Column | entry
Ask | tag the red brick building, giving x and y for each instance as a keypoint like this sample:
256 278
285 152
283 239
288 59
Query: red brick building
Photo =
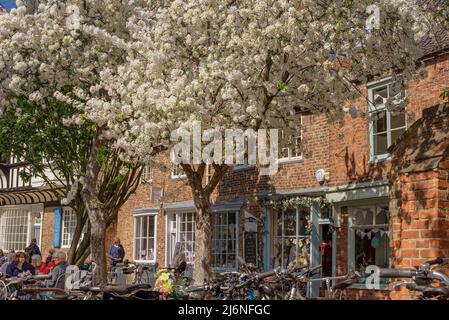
358 227
385 193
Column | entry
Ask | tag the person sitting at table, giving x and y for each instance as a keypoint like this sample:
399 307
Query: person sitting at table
58 273
39 266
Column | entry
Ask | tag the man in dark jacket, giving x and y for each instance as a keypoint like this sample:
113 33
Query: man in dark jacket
32 250
116 254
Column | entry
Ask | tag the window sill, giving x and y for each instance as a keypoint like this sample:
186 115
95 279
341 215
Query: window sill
145 261
177 178
380 158
291 160
359 286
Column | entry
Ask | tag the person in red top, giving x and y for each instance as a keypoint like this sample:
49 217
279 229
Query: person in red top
39 266
50 265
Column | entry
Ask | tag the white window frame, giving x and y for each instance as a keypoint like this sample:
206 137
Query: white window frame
275 236
292 158
139 216
191 219
29 214
176 217
351 234
65 212
372 108
147 174
175 175
236 239
161 194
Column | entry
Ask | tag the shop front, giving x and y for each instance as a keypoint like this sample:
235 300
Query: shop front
299 230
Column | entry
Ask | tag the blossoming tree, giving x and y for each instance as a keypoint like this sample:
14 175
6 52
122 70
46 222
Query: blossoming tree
43 61
142 69
253 64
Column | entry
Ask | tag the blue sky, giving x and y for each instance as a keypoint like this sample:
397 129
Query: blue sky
8 4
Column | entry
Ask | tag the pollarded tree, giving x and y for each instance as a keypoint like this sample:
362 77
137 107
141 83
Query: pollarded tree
250 64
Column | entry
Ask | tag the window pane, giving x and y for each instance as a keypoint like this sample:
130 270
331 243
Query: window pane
150 249
380 95
290 222
370 250
279 223
397 92
395 134
138 227
144 227
302 222
382 215
379 121
380 143
151 226
363 216
13 228
137 246
397 119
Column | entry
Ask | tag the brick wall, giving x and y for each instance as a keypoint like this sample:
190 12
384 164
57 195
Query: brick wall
47 230
349 142
419 198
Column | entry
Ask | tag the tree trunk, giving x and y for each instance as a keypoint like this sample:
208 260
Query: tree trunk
90 196
203 240
71 254
98 245
203 217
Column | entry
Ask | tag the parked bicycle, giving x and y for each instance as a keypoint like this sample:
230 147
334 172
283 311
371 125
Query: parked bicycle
427 279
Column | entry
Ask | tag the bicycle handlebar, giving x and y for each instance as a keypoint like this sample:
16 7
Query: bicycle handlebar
397 273
428 290
437 261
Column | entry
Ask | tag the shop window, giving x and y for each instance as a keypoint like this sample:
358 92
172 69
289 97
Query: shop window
290 236
186 236
224 240
368 237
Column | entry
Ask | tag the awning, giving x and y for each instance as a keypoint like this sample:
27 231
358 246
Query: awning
30 196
